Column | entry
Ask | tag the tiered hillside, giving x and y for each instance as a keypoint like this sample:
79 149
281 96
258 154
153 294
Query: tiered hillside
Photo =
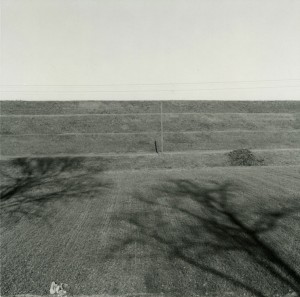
115 127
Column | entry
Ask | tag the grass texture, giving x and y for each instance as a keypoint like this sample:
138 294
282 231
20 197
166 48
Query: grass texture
187 232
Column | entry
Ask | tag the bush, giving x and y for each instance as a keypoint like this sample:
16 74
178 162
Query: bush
244 157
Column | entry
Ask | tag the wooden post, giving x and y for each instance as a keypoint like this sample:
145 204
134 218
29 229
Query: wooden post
155 143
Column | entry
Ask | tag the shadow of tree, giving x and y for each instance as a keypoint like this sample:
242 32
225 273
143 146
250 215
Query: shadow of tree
196 223
29 184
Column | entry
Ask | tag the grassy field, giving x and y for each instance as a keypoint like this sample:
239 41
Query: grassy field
218 140
58 124
84 107
172 106
30 128
176 160
82 124
80 144
182 232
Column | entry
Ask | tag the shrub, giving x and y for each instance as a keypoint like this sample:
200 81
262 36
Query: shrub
244 157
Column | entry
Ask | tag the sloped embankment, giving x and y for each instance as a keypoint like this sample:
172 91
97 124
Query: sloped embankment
145 127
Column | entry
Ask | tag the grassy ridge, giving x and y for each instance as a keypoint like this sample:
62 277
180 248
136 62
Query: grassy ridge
211 125
231 106
80 124
229 121
231 140
78 107
144 143
183 160
107 107
78 144
129 236
147 123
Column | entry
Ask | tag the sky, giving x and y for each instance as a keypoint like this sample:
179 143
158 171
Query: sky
150 50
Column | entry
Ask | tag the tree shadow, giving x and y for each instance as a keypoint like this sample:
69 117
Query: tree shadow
28 185
206 225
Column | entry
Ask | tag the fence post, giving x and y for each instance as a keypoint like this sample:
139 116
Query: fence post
161 127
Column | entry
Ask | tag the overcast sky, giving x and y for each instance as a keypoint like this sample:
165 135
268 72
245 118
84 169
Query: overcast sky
150 49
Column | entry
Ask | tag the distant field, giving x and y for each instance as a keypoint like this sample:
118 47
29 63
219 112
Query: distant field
100 127
182 232
172 106
81 144
34 145
148 123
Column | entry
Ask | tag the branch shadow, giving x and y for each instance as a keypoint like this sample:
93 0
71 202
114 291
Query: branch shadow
29 185
203 225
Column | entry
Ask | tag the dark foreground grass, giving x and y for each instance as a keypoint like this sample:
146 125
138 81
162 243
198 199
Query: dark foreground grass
212 231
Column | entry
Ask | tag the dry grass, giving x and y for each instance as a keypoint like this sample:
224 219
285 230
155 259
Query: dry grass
126 232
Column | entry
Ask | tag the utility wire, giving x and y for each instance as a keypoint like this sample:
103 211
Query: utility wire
149 84
157 90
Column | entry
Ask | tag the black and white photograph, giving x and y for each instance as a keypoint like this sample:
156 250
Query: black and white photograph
150 148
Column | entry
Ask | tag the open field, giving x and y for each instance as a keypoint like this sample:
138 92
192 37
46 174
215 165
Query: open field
181 232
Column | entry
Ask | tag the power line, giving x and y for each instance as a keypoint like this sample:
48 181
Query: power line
158 90
149 84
